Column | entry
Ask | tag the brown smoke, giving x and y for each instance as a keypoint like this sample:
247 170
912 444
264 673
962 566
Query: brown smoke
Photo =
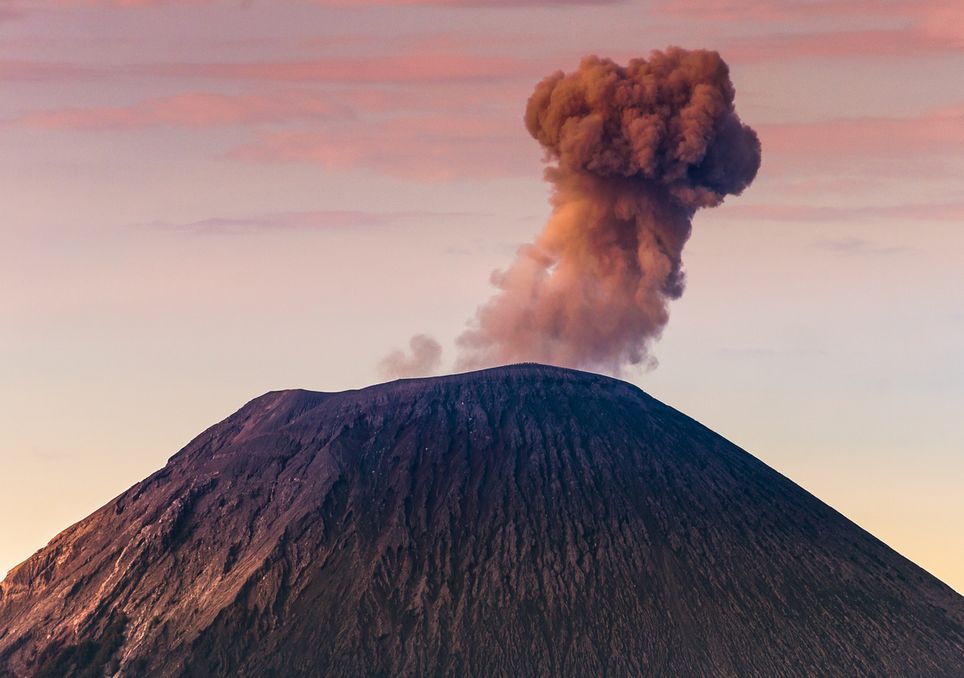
424 359
637 150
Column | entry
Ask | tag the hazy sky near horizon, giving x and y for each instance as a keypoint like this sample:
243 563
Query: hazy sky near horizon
206 200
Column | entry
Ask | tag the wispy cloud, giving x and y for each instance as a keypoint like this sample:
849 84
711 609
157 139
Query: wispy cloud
859 247
783 10
417 68
266 103
946 211
196 109
846 157
468 3
769 353
310 220
896 42
10 14
427 148
383 70
130 4
13 70
940 130
874 28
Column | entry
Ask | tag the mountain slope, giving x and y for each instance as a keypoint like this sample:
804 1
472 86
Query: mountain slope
524 520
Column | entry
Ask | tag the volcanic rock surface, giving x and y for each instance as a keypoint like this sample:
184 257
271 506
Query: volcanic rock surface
519 521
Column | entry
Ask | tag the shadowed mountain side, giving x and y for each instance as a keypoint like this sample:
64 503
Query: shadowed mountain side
523 520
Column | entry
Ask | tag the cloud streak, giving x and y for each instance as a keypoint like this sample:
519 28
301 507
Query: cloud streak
420 69
851 247
947 211
14 70
892 29
132 4
939 130
765 11
9 14
426 148
416 68
897 42
196 109
496 4
309 220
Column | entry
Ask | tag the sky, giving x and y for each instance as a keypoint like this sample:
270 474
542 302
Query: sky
206 200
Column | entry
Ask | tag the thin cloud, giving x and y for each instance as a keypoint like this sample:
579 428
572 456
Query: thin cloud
426 148
196 109
851 247
435 68
782 10
506 4
130 4
765 353
940 130
867 155
267 105
9 14
890 28
308 220
13 70
127 4
897 42
425 68
949 211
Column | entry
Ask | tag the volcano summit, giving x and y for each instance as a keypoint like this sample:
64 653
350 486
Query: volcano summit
518 521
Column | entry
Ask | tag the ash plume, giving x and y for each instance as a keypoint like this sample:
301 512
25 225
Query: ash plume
425 355
637 149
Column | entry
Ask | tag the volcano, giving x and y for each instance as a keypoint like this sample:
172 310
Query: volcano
518 521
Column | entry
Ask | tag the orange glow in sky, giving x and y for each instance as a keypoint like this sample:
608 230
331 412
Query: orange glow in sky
204 201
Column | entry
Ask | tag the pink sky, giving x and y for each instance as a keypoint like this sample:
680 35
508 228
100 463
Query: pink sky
205 200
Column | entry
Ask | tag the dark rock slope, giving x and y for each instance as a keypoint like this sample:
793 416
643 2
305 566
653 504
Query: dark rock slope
520 521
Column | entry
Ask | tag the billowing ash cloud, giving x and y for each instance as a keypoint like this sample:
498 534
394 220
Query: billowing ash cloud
423 359
637 150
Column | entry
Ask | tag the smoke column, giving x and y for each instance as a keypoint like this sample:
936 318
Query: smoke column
637 150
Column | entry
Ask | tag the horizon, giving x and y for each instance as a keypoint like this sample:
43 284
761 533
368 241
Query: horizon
207 201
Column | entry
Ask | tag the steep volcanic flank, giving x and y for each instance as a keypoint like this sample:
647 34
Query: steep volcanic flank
518 521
